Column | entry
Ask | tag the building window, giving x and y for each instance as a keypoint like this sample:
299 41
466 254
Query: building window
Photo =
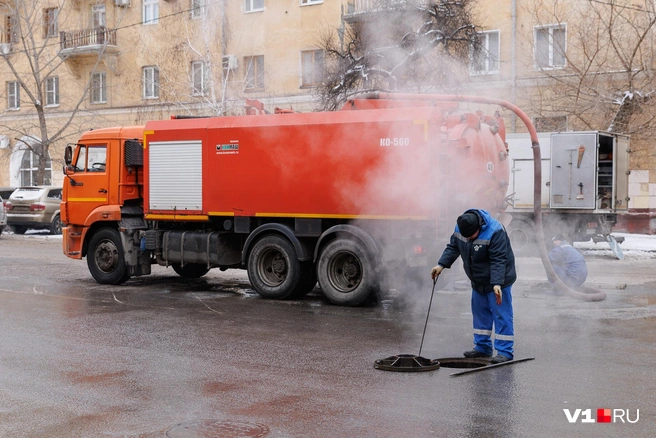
150 82
229 62
30 166
254 73
199 78
150 11
311 2
550 46
99 87
253 5
11 29
98 16
312 68
13 95
484 59
551 124
198 9
50 22
52 91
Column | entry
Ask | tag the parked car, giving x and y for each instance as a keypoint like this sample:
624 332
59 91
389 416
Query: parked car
34 208
3 215
5 192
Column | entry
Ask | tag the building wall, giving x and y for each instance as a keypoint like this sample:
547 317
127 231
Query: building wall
279 32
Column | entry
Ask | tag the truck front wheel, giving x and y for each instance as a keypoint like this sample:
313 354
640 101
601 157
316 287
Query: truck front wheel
190 271
347 273
273 268
105 258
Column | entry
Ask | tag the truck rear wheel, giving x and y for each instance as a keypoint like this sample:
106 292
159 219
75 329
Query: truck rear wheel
105 258
307 282
273 268
347 273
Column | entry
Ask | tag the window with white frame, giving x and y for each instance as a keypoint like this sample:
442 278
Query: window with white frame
253 5
312 64
99 87
13 95
150 82
50 22
484 58
29 168
52 91
550 46
254 79
150 11
198 9
310 2
199 78
98 16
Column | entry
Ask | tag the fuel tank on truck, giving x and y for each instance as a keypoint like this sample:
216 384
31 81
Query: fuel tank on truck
410 162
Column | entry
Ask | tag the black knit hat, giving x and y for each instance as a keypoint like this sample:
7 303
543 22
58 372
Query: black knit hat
468 224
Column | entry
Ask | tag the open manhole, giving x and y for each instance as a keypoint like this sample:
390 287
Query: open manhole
463 362
218 429
406 363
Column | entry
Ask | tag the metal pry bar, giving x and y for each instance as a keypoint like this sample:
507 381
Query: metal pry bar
509 362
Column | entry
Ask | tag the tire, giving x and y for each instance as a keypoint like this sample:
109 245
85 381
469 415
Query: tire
105 257
273 268
190 271
307 282
347 273
19 229
522 237
56 225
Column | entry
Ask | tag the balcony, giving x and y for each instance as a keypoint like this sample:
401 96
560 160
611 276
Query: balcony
79 45
365 7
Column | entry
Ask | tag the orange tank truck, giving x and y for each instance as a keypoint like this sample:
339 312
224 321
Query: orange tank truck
293 198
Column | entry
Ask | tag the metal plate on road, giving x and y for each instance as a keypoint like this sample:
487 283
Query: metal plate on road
494 365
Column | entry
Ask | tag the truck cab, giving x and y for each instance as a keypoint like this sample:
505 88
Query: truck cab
102 178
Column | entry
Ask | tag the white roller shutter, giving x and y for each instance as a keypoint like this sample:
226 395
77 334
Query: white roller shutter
175 171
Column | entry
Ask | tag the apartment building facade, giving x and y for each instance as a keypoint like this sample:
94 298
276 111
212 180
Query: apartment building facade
122 62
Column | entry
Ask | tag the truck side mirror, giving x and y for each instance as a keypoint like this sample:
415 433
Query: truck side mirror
68 155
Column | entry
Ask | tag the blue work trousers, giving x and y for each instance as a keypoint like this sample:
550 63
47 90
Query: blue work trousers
487 313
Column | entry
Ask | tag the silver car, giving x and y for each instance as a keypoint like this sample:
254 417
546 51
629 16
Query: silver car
34 208
3 215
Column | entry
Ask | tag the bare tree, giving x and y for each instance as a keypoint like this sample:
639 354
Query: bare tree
30 51
393 45
602 74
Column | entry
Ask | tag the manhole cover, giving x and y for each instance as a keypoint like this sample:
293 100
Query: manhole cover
217 429
406 363
463 362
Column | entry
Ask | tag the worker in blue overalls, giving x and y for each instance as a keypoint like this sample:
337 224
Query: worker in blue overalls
489 263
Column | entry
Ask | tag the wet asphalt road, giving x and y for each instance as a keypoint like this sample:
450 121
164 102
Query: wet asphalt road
164 357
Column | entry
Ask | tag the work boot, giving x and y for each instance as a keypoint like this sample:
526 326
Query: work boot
500 358
475 353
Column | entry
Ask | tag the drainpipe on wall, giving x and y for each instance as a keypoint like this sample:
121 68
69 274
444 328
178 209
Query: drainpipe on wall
513 63
224 49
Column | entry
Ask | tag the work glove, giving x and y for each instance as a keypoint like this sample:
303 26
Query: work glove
497 292
436 271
